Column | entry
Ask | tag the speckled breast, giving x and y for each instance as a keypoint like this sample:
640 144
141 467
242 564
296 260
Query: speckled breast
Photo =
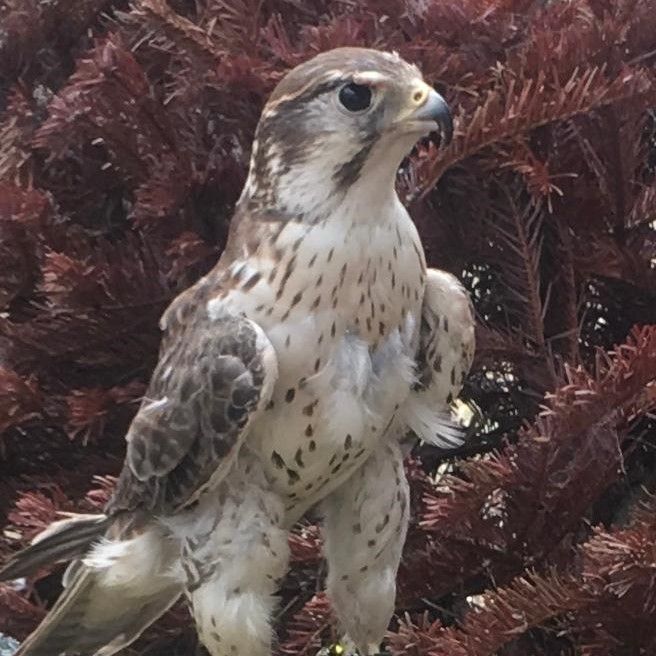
341 310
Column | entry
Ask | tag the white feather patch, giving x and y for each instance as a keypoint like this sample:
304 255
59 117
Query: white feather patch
434 427
132 563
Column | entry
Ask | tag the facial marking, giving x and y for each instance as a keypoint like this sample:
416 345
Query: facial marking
312 147
370 78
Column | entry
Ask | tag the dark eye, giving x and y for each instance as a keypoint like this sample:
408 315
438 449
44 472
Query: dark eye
355 97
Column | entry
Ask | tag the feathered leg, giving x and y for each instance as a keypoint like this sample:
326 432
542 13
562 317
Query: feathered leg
365 523
232 566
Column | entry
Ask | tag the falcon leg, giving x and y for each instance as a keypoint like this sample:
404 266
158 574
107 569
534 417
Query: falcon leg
232 565
364 527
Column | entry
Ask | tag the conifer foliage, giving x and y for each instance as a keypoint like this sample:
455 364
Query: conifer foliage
124 140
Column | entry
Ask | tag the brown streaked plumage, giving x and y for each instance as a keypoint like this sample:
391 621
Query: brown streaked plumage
286 378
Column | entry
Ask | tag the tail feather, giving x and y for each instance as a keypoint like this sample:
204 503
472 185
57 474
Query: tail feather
113 594
64 540
91 619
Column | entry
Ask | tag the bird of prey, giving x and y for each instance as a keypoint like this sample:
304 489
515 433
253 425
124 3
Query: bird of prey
287 377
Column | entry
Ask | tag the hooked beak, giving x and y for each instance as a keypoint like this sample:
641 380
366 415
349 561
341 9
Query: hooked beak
430 110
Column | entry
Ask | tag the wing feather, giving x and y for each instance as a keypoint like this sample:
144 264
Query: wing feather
214 374
444 357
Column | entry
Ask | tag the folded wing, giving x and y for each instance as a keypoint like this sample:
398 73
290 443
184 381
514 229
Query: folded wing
215 373
444 357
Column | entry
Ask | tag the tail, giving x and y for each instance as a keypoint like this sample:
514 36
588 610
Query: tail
111 595
61 541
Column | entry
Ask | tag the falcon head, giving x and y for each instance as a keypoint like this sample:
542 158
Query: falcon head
338 124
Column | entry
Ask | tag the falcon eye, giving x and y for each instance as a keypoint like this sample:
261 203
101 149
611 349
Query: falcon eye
355 97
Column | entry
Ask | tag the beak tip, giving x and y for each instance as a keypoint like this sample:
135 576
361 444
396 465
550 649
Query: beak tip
441 113
436 109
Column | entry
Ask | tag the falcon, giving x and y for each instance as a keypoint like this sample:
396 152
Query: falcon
286 379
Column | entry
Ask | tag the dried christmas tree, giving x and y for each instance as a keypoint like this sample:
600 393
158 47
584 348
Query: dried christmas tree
124 141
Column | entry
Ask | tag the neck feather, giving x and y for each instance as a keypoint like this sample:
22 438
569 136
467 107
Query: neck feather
361 182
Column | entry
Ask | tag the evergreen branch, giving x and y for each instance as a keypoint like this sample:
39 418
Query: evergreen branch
496 619
188 37
516 107
305 630
20 399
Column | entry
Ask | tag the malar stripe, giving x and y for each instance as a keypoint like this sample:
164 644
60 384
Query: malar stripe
349 172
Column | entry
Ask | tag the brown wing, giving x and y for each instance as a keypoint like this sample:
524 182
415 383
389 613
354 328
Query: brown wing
214 374
444 357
